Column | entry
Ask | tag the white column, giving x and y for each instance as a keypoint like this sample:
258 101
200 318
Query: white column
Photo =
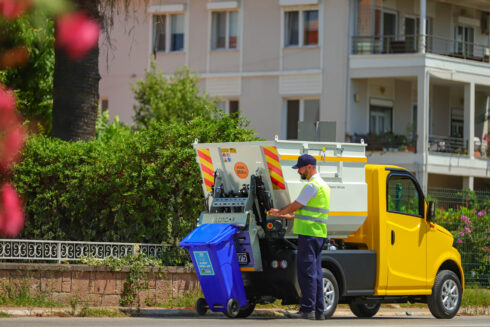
422 29
469 118
422 127
468 182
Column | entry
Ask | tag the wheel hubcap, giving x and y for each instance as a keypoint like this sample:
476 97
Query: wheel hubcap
328 293
449 295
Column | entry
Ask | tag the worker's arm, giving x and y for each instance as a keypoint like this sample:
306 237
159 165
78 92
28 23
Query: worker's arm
286 212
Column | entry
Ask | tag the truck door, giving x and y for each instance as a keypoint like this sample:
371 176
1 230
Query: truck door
406 231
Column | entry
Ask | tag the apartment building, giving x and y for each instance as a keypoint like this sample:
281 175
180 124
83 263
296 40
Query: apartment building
409 77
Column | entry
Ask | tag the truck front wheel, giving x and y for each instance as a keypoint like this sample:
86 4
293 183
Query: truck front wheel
446 295
330 293
364 310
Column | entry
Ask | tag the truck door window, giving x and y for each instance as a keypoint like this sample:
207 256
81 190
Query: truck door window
403 196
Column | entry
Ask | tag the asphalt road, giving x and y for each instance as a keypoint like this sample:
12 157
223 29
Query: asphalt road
474 321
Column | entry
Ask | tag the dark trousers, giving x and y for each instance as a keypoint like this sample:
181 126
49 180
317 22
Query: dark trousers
309 264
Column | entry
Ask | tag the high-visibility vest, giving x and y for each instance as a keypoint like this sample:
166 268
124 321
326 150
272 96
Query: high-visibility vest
311 219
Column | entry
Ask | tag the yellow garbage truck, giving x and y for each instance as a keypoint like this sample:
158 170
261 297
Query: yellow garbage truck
383 247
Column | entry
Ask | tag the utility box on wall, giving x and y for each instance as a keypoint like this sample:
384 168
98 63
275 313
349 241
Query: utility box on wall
319 131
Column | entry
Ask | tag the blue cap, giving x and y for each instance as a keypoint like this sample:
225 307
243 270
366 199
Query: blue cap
305 160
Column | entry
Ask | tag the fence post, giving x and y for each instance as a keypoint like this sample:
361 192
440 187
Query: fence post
59 252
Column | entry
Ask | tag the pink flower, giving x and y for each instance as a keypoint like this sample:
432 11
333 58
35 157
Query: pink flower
10 147
480 213
486 248
77 34
11 9
461 234
12 215
459 241
467 230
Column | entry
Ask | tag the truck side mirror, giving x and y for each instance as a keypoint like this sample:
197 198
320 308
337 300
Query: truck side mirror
431 211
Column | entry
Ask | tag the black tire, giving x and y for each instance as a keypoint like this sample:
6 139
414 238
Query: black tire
330 293
201 306
446 295
364 310
246 310
232 308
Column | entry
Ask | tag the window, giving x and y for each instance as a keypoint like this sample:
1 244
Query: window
380 119
172 25
404 196
229 106
224 30
301 28
457 122
464 40
300 110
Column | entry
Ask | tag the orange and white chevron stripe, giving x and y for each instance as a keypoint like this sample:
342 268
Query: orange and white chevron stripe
207 168
275 171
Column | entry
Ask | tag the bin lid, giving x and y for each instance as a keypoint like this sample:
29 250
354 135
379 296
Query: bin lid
209 234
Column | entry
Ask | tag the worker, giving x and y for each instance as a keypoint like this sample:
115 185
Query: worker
310 214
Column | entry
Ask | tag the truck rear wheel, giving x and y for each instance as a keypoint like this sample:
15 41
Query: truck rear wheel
364 310
330 292
446 295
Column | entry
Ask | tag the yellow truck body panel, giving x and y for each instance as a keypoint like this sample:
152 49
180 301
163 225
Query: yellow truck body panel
410 250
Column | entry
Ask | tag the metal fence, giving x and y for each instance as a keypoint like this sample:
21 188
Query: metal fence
449 198
61 251
474 254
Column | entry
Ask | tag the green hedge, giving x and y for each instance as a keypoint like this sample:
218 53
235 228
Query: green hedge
127 186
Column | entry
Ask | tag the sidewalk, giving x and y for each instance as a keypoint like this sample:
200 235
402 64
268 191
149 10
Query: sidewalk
156 312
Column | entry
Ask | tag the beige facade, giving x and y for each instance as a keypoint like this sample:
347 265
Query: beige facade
367 65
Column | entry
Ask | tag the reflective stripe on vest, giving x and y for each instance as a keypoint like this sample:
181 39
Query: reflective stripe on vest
308 218
311 219
315 209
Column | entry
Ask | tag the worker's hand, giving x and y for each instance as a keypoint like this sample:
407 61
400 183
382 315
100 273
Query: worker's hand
273 212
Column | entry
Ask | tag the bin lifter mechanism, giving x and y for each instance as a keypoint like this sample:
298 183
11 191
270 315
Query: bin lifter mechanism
246 208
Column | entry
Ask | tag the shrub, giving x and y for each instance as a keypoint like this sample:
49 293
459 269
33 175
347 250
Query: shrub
175 98
142 186
471 231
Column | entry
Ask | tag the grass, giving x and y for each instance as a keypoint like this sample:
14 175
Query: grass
476 297
96 312
4 314
187 300
18 294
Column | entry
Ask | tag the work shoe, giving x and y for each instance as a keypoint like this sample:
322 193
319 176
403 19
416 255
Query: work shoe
319 315
303 315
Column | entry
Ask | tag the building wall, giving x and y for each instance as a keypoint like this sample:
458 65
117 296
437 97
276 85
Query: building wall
263 105
262 35
402 111
436 180
333 99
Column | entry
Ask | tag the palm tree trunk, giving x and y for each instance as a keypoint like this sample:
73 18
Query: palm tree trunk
76 89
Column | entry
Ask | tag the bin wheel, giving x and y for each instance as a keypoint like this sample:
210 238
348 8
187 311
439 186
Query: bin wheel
201 306
246 310
232 308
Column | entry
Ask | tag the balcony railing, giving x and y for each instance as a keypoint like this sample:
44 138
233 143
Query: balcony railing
389 44
447 144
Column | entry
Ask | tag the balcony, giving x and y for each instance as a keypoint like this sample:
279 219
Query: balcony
403 44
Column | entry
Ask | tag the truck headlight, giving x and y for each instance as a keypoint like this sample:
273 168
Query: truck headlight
284 264
274 264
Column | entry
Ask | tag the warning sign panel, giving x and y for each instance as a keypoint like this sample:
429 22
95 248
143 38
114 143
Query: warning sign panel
241 170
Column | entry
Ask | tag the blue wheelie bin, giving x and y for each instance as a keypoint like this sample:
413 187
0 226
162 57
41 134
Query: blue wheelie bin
213 253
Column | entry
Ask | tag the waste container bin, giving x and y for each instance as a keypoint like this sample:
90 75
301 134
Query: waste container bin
212 249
